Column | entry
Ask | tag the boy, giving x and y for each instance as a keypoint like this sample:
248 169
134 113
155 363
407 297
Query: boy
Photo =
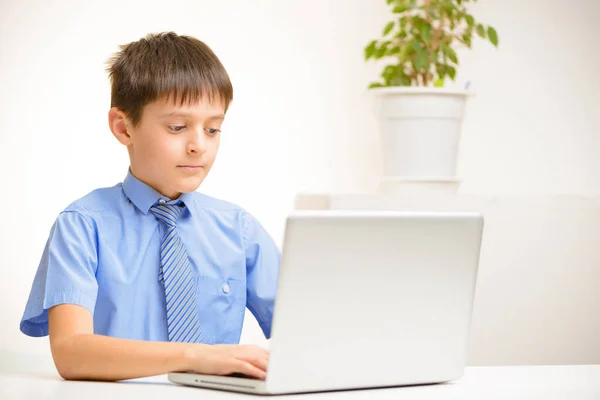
149 276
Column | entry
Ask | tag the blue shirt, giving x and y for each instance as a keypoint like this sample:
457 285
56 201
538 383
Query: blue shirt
103 254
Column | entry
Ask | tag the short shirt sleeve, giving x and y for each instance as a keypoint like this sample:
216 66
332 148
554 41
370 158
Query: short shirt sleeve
262 269
66 273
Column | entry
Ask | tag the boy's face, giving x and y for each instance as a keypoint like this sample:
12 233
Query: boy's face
173 147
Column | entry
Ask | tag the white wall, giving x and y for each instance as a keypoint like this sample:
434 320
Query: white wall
534 127
301 120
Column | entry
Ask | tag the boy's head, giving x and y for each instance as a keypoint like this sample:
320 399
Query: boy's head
169 95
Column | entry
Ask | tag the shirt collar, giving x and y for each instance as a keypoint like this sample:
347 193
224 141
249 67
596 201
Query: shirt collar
144 197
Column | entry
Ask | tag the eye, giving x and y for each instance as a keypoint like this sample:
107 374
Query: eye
177 128
212 131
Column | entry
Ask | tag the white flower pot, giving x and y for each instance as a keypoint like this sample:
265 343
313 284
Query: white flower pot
420 132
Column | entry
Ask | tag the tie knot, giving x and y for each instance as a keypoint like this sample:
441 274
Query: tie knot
167 213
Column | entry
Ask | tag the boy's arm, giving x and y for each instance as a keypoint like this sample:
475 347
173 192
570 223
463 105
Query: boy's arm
262 271
80 354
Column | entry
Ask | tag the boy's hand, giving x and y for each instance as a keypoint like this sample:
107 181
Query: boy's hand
222 359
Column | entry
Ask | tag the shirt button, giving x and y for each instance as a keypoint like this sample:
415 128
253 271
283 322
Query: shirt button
226 289
162 201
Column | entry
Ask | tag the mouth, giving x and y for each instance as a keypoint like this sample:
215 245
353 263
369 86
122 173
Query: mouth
190 169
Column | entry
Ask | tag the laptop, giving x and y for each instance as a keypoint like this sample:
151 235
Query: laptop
367 299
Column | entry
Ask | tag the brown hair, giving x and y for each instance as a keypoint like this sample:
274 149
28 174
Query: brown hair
166 65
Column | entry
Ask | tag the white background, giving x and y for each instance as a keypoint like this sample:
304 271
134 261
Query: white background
301 120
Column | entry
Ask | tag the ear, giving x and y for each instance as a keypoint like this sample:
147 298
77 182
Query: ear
119 125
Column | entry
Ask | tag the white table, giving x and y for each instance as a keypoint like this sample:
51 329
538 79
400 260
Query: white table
482 383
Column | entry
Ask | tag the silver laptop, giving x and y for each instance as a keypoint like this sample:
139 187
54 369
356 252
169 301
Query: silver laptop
366 300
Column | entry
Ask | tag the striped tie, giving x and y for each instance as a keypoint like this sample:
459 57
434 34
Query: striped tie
176 274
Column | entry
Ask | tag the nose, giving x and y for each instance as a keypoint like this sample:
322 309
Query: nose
197 142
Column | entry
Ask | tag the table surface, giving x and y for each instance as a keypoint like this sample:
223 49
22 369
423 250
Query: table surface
518 382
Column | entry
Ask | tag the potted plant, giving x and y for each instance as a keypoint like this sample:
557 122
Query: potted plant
420 119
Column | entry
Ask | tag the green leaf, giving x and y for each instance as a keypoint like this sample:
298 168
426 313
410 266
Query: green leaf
389 2
388 73
452 56
406 80
401 35
406 50
435 56
422 61
399 9
444 48
375 85
451 71
441 70
466 39
380 52
425 30
493 36
370 49
401 80
470 20
450 53
393 50
388 28
481 30
394 75
448 5
434 13
419 22
403 23
416 45
439 82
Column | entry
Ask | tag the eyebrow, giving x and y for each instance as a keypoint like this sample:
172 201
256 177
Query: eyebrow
187 114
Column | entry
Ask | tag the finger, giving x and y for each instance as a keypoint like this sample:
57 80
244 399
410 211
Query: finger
258 360
256 350
260 363
249 369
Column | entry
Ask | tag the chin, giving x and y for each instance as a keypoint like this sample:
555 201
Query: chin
190 185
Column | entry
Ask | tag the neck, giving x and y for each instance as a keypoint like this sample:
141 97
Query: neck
170 195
